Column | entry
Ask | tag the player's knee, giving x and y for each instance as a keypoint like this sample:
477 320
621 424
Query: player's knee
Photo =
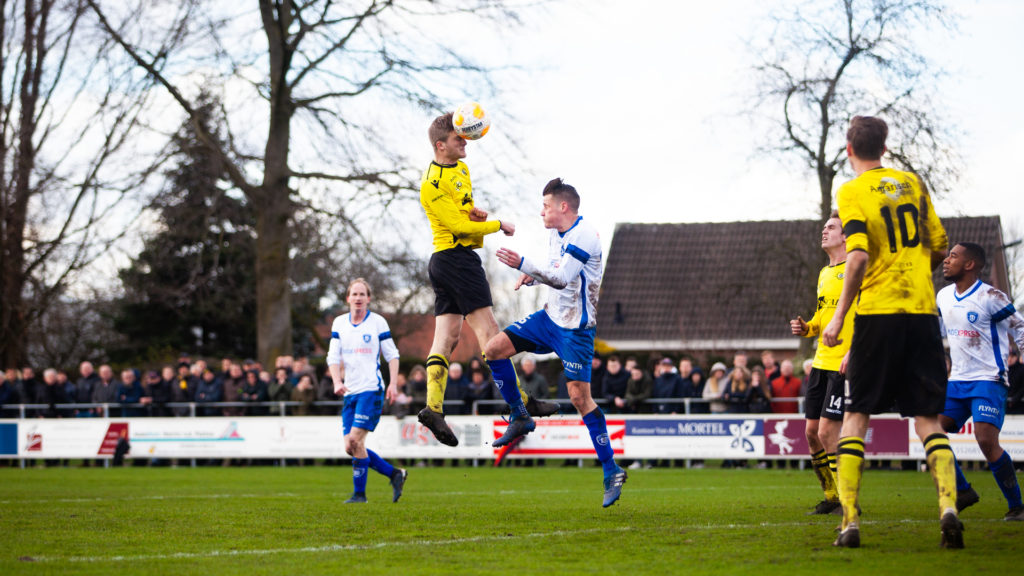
351 446
989 446
578 398
948 424
493 350
811 433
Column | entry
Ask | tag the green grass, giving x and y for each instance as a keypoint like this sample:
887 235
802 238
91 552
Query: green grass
478 521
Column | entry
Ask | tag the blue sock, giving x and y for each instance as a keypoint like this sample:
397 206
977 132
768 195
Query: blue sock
599 436
505 379
359 468
1006 478
379 464
961 480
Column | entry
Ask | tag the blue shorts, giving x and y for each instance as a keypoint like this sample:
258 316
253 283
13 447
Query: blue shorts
362 410
574 347
984 401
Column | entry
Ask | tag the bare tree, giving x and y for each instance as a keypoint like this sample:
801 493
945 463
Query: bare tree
825 62
1013 252
322 69
66 126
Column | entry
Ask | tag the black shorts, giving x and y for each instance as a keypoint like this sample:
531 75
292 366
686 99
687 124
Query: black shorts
824 397
896 363
459 283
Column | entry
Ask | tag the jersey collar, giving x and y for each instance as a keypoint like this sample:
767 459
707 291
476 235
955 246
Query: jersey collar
562 234
973 289
364 319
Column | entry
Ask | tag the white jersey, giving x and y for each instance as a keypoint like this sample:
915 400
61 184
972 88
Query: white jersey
359 347
977 325
573 271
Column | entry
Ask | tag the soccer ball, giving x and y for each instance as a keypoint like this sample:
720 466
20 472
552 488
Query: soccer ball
470 120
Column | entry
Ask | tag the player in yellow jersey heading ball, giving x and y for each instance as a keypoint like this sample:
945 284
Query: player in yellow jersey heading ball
893 241
457 275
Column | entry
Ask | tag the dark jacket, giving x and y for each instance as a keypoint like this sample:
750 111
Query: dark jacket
614 385
84 387
456 390
209 391
51 395
669 385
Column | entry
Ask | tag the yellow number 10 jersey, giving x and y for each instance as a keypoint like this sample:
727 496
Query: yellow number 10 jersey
887 214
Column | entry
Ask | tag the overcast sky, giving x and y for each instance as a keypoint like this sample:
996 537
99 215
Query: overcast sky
635 104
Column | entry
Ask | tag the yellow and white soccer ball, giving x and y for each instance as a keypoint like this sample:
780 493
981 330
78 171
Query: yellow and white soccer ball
470 120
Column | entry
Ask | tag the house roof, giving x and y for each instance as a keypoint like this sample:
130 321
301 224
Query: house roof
730 285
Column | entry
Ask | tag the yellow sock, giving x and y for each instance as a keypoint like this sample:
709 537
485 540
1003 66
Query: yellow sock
819 460
939 456
832 465
850 469
437 380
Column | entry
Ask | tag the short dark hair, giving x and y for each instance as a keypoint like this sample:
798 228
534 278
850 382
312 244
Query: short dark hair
440 128
833 214
866 136
564 192
975 253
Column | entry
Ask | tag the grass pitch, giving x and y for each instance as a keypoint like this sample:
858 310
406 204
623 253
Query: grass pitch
483 520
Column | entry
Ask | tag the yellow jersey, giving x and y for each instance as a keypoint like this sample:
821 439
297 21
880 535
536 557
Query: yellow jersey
830 286
887 214
446 195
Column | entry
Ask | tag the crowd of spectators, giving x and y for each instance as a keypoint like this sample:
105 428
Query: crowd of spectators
236 389
621 386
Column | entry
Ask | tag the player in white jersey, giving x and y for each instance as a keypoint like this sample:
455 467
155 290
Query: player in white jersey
357 341
565 326
977 320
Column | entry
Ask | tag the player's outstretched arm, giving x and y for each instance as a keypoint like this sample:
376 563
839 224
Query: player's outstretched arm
525 280
557 276
459 223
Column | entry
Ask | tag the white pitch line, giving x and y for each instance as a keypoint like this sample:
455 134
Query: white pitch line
455 541
327 548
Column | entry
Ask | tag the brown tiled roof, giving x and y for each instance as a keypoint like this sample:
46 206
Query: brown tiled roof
719 286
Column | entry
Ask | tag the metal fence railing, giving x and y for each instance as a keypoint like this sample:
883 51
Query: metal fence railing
322 407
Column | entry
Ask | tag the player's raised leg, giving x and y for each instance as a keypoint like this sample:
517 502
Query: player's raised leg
498 350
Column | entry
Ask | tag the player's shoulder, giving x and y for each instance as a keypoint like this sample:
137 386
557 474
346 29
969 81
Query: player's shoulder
994 295
585 231
431 178
378 319
945 293
340 321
